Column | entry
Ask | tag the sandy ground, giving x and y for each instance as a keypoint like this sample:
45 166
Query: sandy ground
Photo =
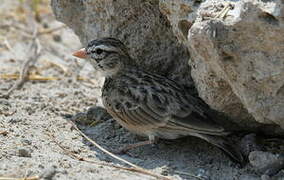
36 116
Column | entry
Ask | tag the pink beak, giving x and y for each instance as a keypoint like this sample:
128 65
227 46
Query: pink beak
81 53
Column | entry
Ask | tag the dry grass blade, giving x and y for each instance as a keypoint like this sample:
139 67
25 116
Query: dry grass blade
134 168
30 77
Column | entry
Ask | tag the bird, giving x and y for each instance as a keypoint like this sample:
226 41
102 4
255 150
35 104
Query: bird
149 104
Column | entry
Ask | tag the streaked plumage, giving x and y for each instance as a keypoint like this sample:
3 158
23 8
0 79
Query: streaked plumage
149 104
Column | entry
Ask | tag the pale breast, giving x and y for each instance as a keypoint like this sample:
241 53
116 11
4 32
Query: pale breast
130 124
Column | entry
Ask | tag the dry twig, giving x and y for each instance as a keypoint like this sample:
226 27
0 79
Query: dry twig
48 31
101 148
4 133
134 168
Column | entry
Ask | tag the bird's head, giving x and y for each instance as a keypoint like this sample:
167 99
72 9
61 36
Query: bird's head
107 55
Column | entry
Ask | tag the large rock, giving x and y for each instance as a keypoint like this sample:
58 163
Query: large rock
237 62
139 24
182 14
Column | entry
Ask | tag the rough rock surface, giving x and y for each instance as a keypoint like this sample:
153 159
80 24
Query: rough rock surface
236 57
260 159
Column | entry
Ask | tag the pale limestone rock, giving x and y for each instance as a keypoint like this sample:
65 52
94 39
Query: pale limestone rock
237 61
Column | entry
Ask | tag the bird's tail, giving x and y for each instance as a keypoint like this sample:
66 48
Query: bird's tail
225 145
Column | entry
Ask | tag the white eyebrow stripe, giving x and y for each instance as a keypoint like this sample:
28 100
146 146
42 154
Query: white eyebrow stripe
106 48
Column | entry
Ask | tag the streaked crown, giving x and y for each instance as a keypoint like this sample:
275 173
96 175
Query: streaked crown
106 44
107 55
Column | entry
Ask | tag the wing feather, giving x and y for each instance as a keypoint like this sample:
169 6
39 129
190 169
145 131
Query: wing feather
165 105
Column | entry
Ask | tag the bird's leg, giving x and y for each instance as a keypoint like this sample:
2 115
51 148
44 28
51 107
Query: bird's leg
152 140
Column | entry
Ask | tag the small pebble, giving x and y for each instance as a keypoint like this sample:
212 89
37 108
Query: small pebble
116 126
67 116
259 159
165 171
274 167
249 143
12 60
266 163
45 25
265 177
23 152
5 102
57 38
49 173
26 141
97 113
202 173
15 120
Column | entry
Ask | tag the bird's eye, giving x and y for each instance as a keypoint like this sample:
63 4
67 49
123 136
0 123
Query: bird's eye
99 51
